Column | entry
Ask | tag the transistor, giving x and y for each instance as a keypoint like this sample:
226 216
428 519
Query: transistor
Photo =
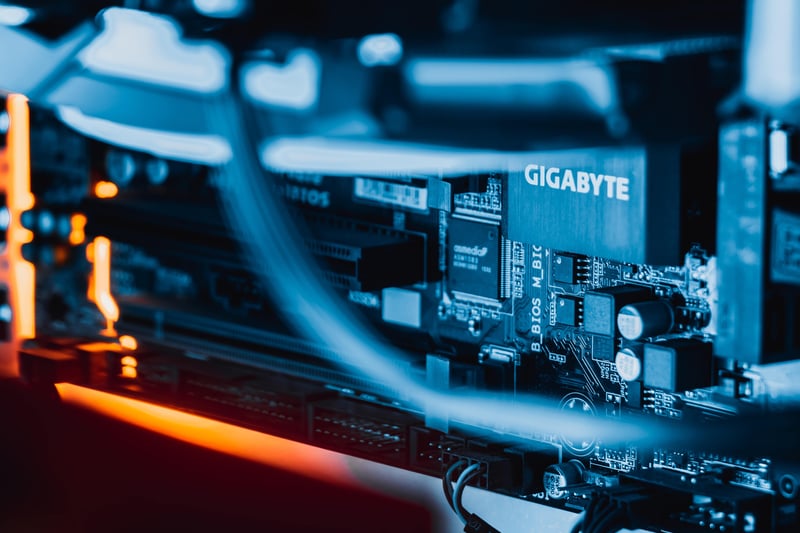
569 268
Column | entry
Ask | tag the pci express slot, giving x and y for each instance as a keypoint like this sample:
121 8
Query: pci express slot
360 429
165 228
269 401
365 257
352 255
209 337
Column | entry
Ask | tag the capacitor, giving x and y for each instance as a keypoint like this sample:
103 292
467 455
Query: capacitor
5 218
157 171
562 475
46 222
645 319
121 167
63 226
629 366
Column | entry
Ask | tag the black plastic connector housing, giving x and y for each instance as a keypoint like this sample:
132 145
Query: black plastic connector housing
498 472
533 459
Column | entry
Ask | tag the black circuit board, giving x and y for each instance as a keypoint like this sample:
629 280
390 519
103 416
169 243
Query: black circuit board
516 311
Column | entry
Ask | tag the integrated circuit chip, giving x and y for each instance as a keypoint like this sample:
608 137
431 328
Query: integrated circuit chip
568 310
569 268
473 258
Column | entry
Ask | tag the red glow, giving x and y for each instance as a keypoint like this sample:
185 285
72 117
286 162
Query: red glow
226 438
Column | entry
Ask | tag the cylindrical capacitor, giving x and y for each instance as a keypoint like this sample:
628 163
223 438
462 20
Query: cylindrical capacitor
629 365
645 319
561 475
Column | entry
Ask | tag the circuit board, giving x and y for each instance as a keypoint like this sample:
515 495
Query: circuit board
466 274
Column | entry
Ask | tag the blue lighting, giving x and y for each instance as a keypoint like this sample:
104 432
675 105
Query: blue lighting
15 15
221 9
384 49
293 85
517 83
772 61
190 147
346 157
148 48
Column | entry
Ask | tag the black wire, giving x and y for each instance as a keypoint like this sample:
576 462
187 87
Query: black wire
591 510
584 518
447 482
604 516
598 508
461 484
472 522
611 523
588 514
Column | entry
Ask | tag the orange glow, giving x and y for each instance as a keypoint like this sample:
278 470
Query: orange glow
19 157
25 302
226 438
129 343
90 284
101 283
105 189
129 360
22 274
129 372
78 224
99 347
19 235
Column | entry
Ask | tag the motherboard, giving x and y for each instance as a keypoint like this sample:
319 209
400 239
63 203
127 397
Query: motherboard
622 279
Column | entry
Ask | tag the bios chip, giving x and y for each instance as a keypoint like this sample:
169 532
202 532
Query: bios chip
473 258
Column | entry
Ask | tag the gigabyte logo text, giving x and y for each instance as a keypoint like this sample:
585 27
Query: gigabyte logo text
470 250
578 181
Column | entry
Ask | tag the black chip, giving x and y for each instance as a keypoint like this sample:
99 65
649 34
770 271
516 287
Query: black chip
567 311
634 397
603 348
474 252
565 268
